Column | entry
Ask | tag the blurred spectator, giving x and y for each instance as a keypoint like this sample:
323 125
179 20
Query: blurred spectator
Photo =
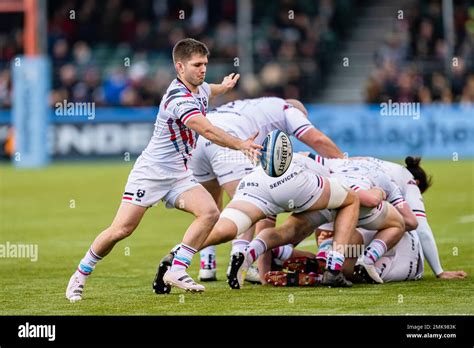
413 64
118 52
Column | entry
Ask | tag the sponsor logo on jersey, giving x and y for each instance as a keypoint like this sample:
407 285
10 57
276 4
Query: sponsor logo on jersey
282 181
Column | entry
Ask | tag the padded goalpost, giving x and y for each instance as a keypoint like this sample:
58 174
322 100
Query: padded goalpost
31 77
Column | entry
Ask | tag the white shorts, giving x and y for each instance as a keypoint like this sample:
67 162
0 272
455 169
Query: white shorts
210 161
403 262
372 218
148 183
292 192
369 218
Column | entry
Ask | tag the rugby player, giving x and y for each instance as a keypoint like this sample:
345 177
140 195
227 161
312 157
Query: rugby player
413 182
372 188
217 168
162 170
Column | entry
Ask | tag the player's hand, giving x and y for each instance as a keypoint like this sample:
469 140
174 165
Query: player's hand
382 192
452 275
229 82
250 149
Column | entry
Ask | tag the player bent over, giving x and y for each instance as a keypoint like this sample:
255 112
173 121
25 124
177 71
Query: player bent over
413 182
302 190
404 261
162 173
218 168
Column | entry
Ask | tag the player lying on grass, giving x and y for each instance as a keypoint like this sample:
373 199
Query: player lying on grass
161 172
217 168
306 191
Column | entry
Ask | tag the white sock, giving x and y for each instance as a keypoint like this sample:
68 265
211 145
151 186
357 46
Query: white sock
183 258
335 260
282 253
374 251
239 245
208 257
87 264
256 248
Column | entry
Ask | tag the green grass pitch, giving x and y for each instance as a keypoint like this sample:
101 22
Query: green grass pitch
63 207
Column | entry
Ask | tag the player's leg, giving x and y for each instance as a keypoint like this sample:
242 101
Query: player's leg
264 262
234 220
126 220
391 227
334 196
207 271
198 202
239 244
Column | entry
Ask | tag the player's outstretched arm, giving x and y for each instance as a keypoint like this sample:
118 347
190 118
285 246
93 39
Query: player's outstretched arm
320 143
218 136
226 85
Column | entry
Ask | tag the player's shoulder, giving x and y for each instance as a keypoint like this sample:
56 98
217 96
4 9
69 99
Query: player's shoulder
177 95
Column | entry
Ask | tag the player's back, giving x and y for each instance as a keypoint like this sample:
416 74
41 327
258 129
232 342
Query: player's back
245 117
399 174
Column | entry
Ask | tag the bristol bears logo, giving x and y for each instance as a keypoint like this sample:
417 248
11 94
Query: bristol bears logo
140 194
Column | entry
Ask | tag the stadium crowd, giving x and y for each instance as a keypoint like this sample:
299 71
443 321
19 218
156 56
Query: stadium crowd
117 52
410 64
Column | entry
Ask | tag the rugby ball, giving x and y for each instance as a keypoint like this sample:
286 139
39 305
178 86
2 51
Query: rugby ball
277 153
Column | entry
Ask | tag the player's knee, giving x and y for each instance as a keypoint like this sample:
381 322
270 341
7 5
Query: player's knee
400 224
122 231
211 216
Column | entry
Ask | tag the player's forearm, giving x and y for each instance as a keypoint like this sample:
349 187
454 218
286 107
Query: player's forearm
217 89
428 244
327 148
322 144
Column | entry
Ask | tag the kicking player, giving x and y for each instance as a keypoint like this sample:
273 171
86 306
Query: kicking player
218 168
162 170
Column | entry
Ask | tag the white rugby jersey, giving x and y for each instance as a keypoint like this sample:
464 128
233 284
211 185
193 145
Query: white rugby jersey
397 172
172 142
245 117
364 175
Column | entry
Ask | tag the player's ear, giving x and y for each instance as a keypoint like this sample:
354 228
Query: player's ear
179 66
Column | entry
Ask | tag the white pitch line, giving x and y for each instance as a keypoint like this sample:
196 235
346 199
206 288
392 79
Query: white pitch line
466 219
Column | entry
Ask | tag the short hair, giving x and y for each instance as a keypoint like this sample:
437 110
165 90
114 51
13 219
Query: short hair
413 165
184 49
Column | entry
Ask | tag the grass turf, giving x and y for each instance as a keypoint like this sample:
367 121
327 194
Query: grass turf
63 207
